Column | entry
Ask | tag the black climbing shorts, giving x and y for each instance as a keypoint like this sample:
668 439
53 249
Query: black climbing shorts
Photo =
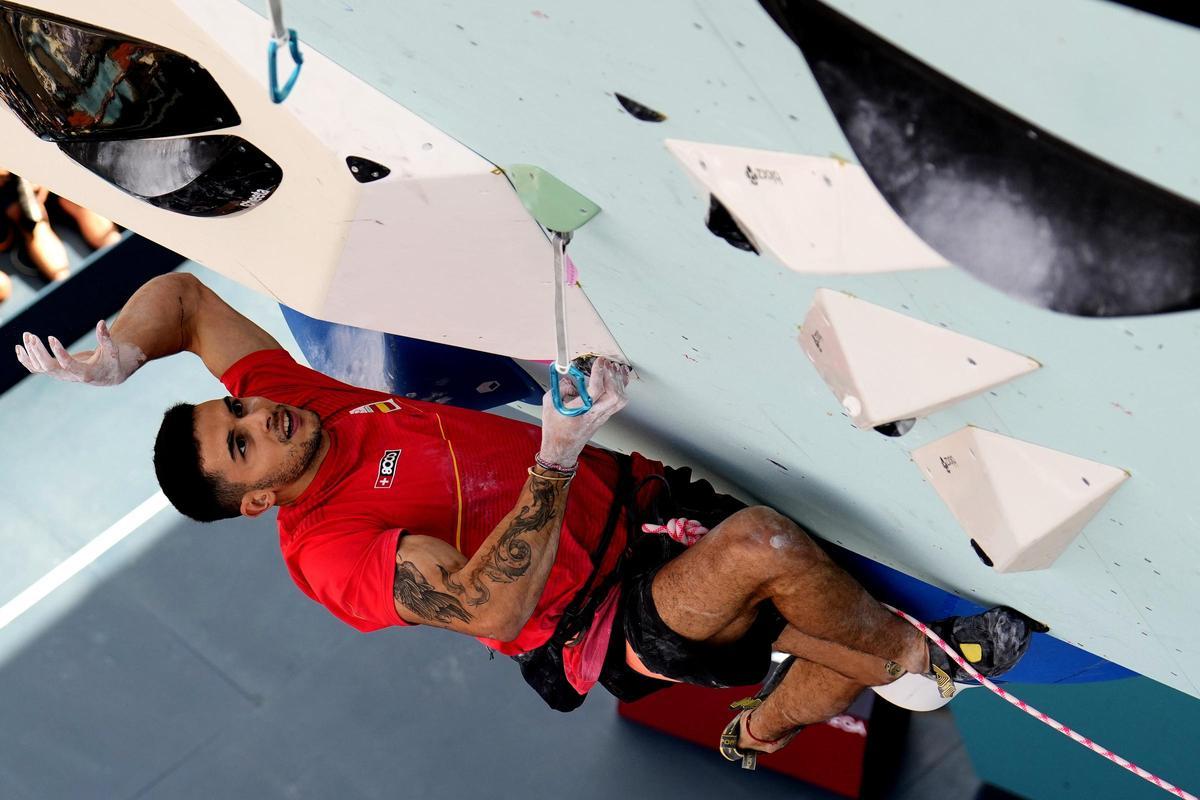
661 649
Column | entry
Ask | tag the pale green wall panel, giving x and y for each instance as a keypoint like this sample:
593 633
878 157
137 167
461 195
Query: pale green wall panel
1154 727
712 330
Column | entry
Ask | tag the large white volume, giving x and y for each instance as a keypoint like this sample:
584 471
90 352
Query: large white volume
884 366
1021 504
441 249
813 214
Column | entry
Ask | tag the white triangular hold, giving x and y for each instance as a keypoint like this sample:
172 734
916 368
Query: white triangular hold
883 366
1020 503
814 214
440 249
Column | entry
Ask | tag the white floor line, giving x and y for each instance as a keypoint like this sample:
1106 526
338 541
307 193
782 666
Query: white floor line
77 561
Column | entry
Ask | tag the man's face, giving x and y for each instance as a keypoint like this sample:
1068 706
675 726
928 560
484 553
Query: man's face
255 442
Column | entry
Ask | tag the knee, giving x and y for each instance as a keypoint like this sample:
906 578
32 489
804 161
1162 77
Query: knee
762 532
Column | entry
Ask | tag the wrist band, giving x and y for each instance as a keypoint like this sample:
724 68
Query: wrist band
544 464
555 478
750 733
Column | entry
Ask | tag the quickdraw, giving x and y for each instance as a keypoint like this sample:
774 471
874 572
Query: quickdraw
562 366
281 35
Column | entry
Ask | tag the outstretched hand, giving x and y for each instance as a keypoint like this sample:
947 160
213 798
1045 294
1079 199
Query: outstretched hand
108 365
563 437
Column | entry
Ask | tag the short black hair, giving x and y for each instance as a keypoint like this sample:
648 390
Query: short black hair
193 492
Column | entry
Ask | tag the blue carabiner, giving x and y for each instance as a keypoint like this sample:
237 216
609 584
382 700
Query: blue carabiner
279 95
580 383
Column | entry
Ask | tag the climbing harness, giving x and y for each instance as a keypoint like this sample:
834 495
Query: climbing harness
281 35
562 366
1033 712
542 667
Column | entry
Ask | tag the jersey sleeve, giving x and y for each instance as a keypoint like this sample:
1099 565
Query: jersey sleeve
350 571
274 374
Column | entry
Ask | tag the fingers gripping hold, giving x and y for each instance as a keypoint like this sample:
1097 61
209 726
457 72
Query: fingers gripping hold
607 386
564 437
598 379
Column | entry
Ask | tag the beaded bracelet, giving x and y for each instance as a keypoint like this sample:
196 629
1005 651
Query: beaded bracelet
544 464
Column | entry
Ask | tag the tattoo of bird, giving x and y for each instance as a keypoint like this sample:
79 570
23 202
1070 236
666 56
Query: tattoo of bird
418 595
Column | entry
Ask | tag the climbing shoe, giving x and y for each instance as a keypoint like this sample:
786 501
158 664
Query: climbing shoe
991 642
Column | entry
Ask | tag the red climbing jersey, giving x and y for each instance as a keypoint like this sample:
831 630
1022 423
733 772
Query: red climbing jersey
397 466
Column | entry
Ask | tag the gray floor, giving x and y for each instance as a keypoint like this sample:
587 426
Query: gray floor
193 668
184 663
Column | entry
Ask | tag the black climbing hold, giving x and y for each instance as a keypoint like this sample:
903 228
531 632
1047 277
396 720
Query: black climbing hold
1009 202
897 428
225 174
60 77
639 111
365 170
1186 12
979 552
722 223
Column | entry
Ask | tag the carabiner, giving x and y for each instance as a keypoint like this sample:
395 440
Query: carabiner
279 95
576 375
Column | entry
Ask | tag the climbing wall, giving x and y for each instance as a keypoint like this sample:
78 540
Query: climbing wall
714 330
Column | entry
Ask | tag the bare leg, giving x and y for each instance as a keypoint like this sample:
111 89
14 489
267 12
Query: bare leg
808 693
862 668
711 593
97 231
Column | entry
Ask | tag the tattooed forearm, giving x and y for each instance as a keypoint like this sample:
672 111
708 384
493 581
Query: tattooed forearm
510 557
448 580
418 595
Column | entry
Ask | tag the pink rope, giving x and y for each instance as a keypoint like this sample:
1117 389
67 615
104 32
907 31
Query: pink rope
1033 712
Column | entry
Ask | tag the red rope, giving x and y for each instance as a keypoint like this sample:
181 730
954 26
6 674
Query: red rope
1033 712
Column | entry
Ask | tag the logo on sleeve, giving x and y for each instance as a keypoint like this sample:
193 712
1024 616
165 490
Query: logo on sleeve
387 469
384 406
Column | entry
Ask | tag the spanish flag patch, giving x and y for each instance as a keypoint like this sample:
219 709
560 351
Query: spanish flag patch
383 406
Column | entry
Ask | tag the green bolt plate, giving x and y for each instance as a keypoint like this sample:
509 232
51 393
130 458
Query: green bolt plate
551 202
